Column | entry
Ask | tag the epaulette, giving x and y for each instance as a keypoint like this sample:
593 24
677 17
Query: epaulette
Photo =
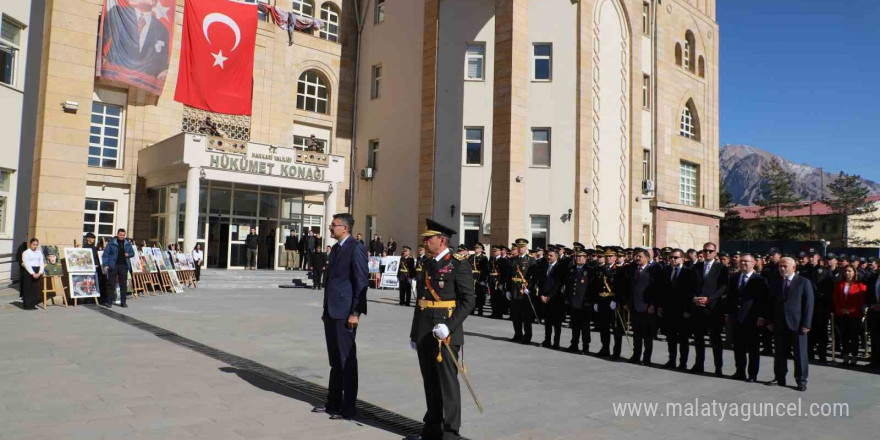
460 257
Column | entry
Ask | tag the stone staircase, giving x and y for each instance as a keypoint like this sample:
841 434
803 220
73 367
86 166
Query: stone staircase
253 279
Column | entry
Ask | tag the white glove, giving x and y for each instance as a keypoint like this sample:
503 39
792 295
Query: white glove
507 295
526 292
596 308
441 331
412 344
483 283
613 305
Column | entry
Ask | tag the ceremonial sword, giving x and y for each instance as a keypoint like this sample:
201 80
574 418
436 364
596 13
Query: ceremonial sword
463 374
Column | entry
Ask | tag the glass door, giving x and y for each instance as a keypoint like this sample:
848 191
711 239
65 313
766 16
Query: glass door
237 246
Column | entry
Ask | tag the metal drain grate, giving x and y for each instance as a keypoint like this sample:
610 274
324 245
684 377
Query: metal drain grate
368 413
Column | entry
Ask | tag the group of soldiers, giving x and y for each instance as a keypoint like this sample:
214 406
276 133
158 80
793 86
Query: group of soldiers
603 287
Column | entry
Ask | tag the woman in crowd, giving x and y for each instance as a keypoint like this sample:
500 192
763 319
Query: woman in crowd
198 256
32 262
391 246
849 298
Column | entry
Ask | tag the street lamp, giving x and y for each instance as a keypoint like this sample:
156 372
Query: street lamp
825 244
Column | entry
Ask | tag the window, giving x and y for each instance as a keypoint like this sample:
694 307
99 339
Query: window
701 67
687 193
99 218
473 146
262 14
5 177
371 228
473 66
10 40
302 143
376 81
380 12
373 154
646 235
330 16
690 122
471 230
105 136
646 164
539 227
540 147
303 7
312 94
678 54
542 59
690 51
646 18
646 91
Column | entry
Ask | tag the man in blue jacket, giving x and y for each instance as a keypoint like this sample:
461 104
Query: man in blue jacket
116 265
345 299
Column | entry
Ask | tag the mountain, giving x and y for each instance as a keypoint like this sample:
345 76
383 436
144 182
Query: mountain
741 167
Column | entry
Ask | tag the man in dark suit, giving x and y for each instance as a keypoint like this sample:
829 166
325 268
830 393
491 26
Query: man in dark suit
376 246
747 294
641 283
551 282
446 299
872 301
345 299
134 38
707 317
577 297
497 277
405 274
789 314
319 265
676 293
291 245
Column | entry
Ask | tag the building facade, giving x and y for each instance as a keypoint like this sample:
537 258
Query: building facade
555 120
108 156
14 50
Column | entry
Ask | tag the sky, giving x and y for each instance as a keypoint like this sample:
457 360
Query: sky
801 79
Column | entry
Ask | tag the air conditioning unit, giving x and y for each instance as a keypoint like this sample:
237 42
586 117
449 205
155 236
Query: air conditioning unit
486 229
648 185
367 173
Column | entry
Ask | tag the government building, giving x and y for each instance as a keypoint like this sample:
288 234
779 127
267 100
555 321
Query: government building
555 120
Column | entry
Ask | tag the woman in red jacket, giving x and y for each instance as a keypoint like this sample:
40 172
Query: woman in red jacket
849 298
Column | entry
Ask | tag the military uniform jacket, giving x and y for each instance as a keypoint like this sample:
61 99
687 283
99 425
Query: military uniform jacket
521 274
579 285
480 266
605 278
452 280
499 267
407 269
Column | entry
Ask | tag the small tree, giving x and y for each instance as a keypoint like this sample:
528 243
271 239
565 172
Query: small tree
850 201
732 225
778 195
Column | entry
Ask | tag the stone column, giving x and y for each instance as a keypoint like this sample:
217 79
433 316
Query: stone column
510 120
329 211
191 217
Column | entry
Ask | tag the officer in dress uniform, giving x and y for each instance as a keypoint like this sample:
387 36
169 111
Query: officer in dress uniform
605 304
405 276
497 268
520 287
577 299
480 265
447 300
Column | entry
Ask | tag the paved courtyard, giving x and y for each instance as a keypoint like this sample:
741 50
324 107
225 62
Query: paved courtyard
248 363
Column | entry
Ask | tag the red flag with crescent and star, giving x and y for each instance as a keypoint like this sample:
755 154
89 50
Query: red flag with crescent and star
217 56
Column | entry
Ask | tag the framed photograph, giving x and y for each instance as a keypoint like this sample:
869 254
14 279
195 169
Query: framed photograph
190 263
373 264
84 285
169 265
175 281
159 259
136 265
79 260
182 262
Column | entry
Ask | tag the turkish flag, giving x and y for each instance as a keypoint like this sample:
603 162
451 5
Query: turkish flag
217 56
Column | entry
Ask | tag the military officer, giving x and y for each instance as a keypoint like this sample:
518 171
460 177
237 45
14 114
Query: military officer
497 278
577 298
520 285
405 275
480 266
604 303
447 301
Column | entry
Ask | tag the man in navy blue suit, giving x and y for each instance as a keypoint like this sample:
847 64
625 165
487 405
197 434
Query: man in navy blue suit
345 299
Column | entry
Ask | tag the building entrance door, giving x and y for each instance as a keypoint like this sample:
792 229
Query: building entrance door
268 255
237 246
218 242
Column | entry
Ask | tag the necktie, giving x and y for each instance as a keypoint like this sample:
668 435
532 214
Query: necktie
141 23
708 268
787 286
743 282
675 274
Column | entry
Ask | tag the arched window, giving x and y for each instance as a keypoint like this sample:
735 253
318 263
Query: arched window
312 93
303 7
690 51
701 67
678 54
330 16
690 121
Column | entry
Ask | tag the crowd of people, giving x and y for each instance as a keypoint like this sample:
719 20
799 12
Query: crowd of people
757 304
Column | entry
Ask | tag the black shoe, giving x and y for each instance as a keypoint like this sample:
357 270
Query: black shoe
719 373
603 352
738 376
515 339
572 349
670 364
323 409
124 306
555 346
545 344
697 369
776 383
682 366
413 437
585 351
633 360
802 386
751 380
615 356
340 417
646 362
